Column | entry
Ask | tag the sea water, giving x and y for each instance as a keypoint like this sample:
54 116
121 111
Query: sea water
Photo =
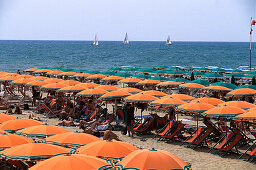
20 55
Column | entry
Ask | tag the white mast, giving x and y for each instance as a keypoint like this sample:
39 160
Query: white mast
168 41
126 40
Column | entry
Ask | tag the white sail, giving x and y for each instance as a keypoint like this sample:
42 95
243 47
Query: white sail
168 41
95 42
126 40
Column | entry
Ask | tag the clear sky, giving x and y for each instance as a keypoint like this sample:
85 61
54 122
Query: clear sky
143 20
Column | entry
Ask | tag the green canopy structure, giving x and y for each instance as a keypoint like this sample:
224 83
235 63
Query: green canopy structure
212 75
163 71
158 78
124 74
109 73
115 69
202 82
251 72
236 71
147 70
247 86
227 85
218 70
92 72
174 68
160 67
179 80
236 75
141 76
202 69
197 73
177 72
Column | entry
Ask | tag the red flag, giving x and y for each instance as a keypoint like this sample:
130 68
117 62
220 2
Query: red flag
251 31
253 22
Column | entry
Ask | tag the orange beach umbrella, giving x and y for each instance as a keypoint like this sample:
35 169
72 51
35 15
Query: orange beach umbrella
92 92
68 73
168 102
217 88
96 76
42 130
53 86
192 85
242 92
169 83
154 93
37 83
33 151
82 75
195 107
180 96
30 70
11 140
114 78
13 125
209 100
130 80
53 80
70 82
107 149
131 90
25 76
72 139
150 82
152 159
55 72
252 109
87 85
72 162
107 87
115 95
247 116
39 78
5 117
143 98
240 104
223 111
71 89
22 81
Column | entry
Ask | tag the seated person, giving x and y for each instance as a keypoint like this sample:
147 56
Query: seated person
109 135
68 122
8 111
17 110
33 116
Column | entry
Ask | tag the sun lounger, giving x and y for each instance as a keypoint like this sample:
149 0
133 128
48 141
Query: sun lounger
251 151
194 136
144 127
221 143
165 129
174 133
201 139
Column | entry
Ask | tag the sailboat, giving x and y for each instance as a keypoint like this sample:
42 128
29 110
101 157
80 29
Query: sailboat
126 41
168 41
95 42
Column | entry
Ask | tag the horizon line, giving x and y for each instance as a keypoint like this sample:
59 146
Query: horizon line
122 41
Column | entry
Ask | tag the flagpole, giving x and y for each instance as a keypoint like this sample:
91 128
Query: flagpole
251 47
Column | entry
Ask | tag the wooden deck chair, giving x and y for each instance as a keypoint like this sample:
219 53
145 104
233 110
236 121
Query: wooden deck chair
201 139
222 141
251 152
193 137
145 127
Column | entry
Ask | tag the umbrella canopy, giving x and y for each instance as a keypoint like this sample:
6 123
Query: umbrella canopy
250 76
5 117
197 73
147 70
173 68
131 90
107 87
108 73
11 140
181 80
149 82
159 78
92 92
131 80
42 71
13 125
55 72
218 70
236 75
72 162
30 70
236 71
82 75
152 159
202 82
39 78
115 95
252 109
209 100
72 139
132 69
192 85
251 72
239 104
247 116
123 74
242 92
22 81
180 96
37 83
169 83
177 72
212 75
143 98
70 82
53 86
141 76
115 69
202 69
227 85
168 102
195 107
92 72
160 72
42 131
8 78
71 89
53 80
68 73
107 149
217 88
96 76
25 76
154 93
87 85
113 78
160 67
223 111
247 86
33 152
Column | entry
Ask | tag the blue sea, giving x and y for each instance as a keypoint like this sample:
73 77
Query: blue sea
80 55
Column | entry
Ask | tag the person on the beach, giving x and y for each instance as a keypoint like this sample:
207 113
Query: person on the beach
109 135
17 110
130 119
18 72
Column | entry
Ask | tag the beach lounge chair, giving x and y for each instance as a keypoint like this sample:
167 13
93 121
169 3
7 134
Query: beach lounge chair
165 129
201 139
194 136
145 127
172 134
222 141
251 151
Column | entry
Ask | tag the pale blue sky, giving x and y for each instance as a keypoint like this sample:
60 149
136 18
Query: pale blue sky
184 20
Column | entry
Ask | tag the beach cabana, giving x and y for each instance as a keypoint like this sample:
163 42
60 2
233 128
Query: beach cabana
150 159
107 149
